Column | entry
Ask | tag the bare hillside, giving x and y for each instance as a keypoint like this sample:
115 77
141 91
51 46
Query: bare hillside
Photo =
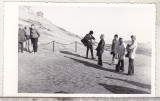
48 31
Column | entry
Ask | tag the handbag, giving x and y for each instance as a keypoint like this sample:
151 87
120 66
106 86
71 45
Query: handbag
127 55
111 53
84 41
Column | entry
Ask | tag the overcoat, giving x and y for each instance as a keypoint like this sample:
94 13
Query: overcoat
100 47
114 45
121 51
89 38
21 35
34 33
132 49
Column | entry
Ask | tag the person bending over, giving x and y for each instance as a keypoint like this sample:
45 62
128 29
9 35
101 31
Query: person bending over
89 39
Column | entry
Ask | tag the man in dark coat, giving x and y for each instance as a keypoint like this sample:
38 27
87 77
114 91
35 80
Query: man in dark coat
89 39
114 47
21 37
34 38
100 49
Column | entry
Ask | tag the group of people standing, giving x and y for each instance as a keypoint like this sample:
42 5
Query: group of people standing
28 37
119 50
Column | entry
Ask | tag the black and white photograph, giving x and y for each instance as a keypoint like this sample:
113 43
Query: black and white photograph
68 50
85 49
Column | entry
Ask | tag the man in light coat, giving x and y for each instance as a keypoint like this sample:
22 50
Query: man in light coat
132 53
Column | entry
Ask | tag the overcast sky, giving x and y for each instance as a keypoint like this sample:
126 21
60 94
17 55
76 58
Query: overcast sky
124 21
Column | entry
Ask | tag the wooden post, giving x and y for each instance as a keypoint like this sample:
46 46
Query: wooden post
75 46
53 46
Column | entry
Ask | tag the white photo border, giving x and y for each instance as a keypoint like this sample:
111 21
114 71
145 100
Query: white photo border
10 84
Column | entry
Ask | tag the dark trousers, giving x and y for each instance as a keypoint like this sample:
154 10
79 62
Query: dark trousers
35 44
114 54
120 65
131 67
100 59
89 47
20 46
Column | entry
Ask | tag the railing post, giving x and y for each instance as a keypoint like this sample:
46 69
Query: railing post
53 46
75 46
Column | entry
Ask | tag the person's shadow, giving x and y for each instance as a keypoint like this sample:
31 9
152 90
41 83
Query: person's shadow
89 64
132 82
121 90
77 55
70 53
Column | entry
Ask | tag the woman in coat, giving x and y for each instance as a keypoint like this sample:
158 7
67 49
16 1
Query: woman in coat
121 55
100 49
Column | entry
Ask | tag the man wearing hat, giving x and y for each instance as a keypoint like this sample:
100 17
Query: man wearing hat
89 38
132 53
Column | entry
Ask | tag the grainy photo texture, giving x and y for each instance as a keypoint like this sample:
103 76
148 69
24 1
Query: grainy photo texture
85 50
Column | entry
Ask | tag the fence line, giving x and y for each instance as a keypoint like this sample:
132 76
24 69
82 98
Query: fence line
53 42
46 43
58 43
75 42
63 43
